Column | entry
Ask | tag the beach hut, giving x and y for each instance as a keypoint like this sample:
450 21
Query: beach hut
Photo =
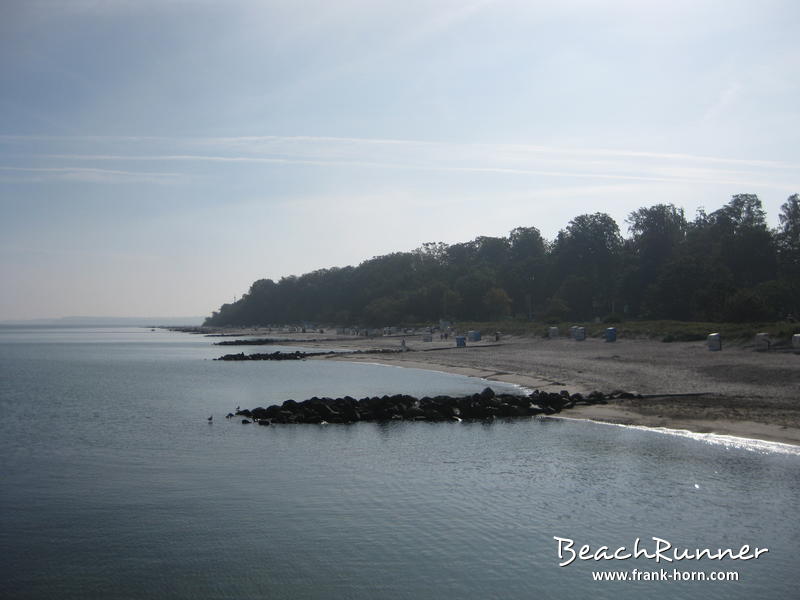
714 342
762 341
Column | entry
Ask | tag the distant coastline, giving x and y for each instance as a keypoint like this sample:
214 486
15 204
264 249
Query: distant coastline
90 321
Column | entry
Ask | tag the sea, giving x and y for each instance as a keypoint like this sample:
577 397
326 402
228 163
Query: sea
114 484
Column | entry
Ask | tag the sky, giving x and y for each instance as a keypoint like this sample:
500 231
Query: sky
157 157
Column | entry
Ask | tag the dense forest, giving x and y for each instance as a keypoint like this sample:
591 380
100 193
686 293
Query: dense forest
727 265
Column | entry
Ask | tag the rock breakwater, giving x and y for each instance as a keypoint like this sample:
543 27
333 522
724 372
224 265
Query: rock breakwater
298 355
277 355
268 341
400 407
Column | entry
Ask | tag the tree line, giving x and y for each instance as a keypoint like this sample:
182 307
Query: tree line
727 265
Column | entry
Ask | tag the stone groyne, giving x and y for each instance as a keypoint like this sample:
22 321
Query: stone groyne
400 407
298 355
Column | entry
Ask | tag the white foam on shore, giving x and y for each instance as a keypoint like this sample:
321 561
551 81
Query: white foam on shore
716 439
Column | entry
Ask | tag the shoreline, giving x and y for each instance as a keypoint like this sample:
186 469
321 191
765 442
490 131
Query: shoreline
524 381
737 392
711 437
615 412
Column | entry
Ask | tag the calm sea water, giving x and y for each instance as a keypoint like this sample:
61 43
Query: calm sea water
115 486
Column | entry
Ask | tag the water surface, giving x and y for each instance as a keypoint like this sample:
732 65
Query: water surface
114 485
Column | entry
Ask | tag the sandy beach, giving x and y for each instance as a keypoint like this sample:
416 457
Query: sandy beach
739 391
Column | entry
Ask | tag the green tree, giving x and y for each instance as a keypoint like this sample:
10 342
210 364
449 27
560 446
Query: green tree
497 302
788 237
726 264
742 241
472 287
525 274
589 248
656 234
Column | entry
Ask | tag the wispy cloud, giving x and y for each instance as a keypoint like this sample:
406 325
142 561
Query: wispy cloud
253 144
92 175
368 153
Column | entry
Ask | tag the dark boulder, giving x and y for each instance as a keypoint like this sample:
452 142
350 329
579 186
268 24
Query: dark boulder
484 406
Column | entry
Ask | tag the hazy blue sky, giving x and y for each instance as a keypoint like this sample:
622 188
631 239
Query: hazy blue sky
156 157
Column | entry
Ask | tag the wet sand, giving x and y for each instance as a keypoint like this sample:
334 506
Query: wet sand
738 391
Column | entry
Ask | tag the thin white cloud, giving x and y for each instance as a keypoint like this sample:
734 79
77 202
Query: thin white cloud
93 175
396 154
602 170
283 144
